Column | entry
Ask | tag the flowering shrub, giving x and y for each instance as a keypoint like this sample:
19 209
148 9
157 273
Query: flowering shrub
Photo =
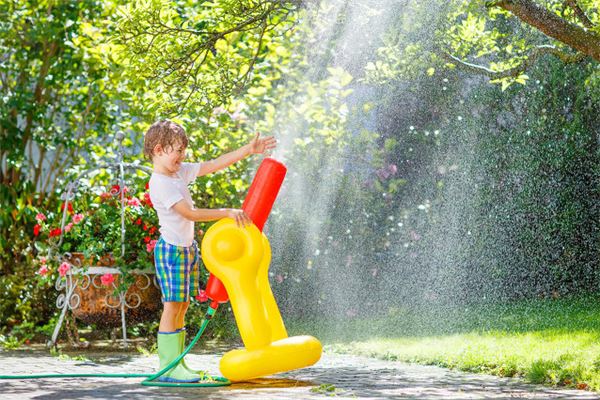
48 233
141 232
92 226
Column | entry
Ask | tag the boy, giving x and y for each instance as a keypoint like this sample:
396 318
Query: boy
176 252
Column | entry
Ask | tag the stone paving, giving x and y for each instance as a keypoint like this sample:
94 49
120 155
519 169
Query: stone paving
335 375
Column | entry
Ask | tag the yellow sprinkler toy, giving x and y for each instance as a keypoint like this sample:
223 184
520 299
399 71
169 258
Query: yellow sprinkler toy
238 260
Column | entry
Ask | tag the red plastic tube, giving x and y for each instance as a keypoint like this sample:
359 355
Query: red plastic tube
263 191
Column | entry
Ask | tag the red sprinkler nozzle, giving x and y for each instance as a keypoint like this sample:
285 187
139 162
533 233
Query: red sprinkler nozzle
263 191
216 292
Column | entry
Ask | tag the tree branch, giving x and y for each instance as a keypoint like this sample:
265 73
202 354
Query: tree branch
581 39
202 42
244 80
518 70
579 13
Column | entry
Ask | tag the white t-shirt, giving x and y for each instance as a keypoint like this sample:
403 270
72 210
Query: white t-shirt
165 191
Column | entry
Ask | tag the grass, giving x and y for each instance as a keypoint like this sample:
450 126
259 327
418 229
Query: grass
328 389
555 342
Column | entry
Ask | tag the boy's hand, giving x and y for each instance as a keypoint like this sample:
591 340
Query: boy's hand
240 217
260 145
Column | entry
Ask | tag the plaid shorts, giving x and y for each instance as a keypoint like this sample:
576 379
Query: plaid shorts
177 270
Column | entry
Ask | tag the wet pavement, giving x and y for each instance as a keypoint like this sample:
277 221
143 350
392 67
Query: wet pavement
335 375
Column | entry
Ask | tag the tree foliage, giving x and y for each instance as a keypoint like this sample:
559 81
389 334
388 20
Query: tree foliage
197 55
501 40
70 84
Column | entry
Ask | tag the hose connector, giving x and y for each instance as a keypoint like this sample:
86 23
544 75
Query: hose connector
212 308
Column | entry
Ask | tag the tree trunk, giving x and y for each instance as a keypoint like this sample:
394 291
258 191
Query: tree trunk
583 40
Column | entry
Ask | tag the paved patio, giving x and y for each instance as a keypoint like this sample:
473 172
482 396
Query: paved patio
342 376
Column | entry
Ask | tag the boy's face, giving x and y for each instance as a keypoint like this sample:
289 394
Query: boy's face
168 160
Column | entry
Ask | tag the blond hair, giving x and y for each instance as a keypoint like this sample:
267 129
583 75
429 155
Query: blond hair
165 133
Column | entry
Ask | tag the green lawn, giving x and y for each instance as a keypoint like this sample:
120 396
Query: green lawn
554 342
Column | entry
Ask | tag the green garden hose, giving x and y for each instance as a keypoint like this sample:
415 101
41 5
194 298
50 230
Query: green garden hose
149 381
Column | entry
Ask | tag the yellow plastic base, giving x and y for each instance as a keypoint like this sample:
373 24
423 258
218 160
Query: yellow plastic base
240 258
280 356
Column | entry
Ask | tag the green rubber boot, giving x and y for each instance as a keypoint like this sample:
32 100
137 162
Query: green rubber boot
168 350
182 333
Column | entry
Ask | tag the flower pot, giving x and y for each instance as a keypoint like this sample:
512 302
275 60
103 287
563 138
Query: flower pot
99 305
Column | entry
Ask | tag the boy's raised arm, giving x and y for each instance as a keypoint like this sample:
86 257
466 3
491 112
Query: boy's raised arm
257 145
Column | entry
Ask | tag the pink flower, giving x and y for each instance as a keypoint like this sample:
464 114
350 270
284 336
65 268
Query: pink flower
134 202
64 268
151 245
44 270
40 217
43 260
107 279
279 278
77 218
202 297
68 227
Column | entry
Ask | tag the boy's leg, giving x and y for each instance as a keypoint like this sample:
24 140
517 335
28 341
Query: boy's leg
192 257
173 265
180 321
169 348
169 317
194 275
171 271
182 334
